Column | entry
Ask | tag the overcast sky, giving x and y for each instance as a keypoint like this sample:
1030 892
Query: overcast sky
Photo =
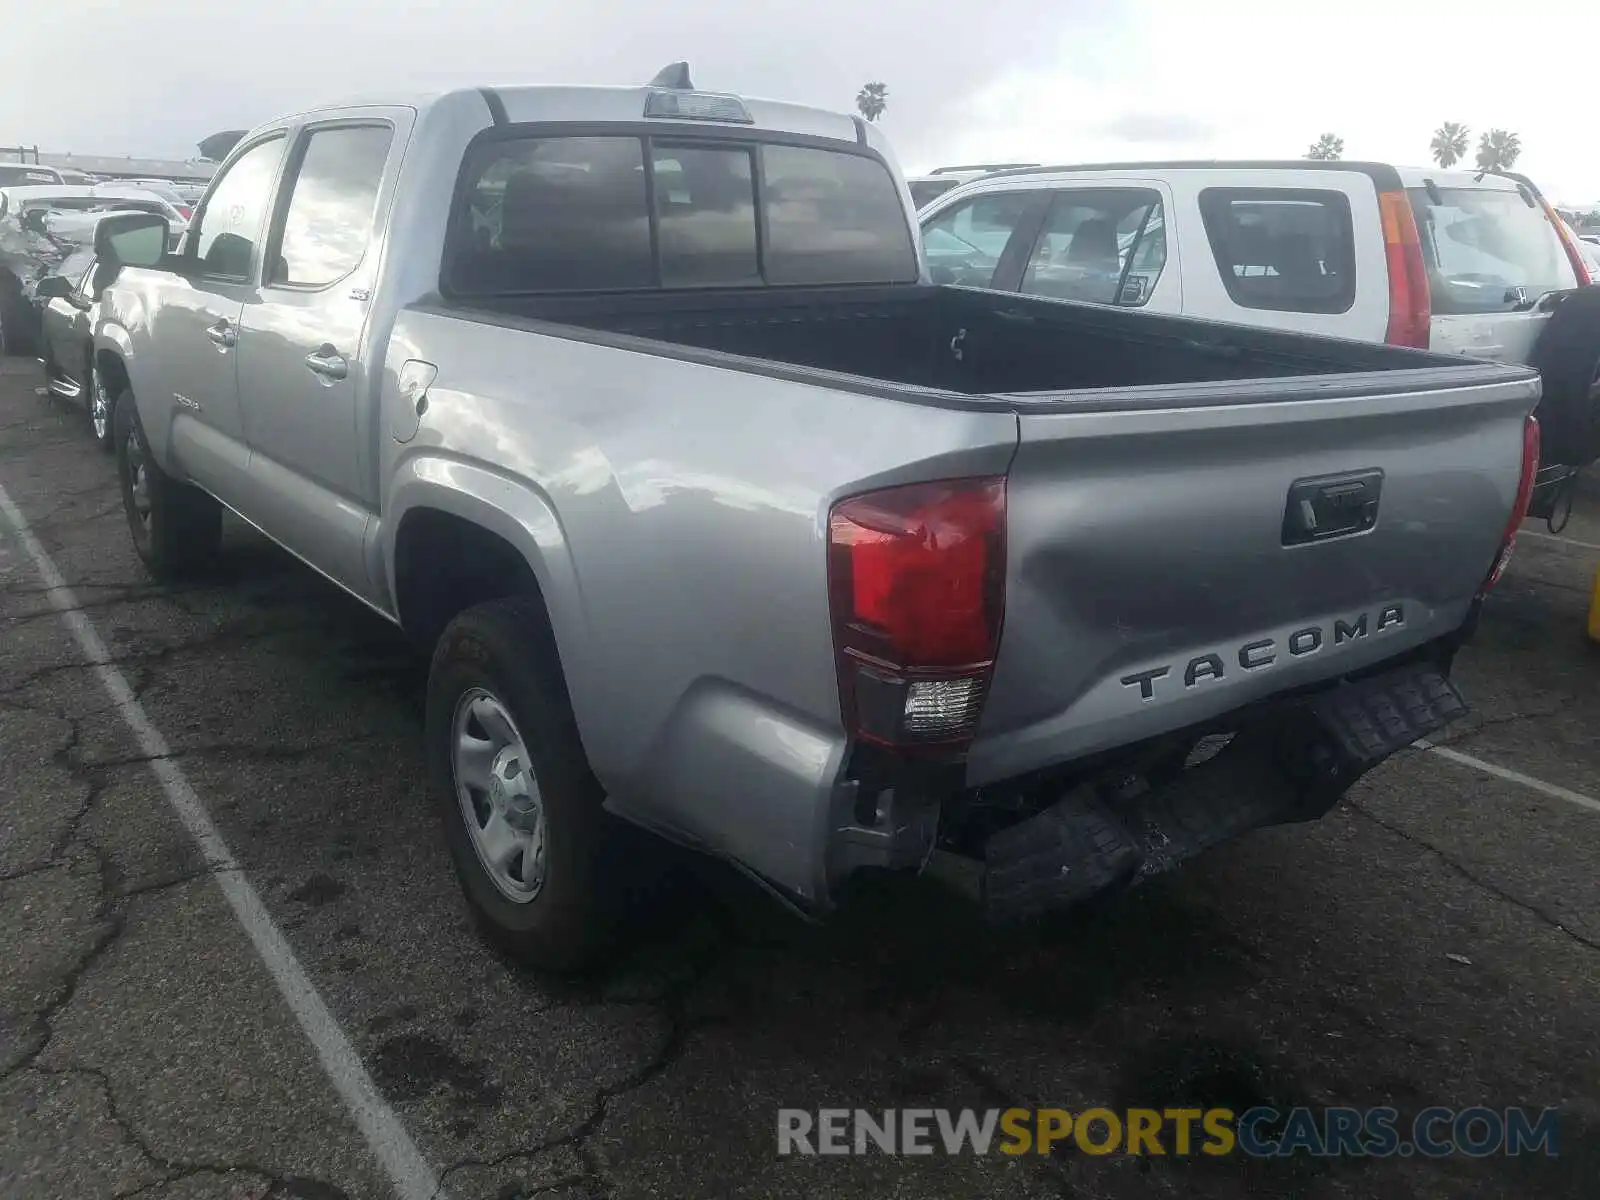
1051 80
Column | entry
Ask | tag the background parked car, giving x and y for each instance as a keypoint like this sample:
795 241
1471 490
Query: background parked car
26 174
927 188
1467 263
71 302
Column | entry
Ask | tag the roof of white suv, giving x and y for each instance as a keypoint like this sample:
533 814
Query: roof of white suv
1385 175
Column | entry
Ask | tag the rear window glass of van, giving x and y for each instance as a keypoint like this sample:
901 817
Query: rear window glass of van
1487 250
569 214
1282 249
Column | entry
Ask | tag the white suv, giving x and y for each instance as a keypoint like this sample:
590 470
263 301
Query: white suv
1456 261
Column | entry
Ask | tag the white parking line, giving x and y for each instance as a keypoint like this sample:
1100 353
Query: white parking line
1510 776
408 1171
1556 537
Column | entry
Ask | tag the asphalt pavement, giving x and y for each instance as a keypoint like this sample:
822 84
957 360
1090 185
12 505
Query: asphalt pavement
1434 941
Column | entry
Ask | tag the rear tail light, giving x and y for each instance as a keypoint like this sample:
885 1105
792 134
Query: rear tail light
1569 243
1519 510
185 211
916 583
1410 304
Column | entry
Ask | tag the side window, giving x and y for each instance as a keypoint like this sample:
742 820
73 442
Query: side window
1100 246
552 214
963 244
231 224
328 222
706 215
1283 249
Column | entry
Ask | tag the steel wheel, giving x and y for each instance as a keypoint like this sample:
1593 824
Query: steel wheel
100 409
499 796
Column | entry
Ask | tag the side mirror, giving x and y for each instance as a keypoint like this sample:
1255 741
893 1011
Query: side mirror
131 239
53 287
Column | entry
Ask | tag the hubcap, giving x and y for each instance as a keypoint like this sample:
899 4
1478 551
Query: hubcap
498 794
139 476
99 406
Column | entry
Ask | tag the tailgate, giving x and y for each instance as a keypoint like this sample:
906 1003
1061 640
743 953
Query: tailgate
1149 583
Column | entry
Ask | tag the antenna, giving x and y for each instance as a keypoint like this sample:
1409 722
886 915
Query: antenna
675 76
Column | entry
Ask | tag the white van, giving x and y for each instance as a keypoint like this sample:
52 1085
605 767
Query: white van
1457 261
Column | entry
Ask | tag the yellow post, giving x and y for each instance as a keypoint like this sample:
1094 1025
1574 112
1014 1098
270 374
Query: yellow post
1594 609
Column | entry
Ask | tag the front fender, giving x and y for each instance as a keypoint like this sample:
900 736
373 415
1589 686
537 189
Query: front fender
112 340
517 512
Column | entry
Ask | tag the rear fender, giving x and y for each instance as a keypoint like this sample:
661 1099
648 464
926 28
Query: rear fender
513 510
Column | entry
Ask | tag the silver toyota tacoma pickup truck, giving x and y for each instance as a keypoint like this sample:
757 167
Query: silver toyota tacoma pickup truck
636 406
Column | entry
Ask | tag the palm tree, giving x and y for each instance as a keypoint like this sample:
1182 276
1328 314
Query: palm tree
1498 150
872 99
1450 143
1327 147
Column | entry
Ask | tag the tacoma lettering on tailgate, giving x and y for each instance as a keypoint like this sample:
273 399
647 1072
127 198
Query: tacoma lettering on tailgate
1264 653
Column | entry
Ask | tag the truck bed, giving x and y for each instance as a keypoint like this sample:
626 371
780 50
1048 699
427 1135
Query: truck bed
961 340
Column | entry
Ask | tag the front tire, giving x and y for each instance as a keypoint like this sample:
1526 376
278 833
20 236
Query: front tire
175 527
521 809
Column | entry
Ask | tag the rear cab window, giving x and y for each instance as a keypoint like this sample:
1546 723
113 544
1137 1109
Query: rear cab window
1282 249
1487 249
538 214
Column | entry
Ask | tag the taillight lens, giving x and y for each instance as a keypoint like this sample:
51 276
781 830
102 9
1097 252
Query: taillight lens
184 212
916 582
1410 303
1519 510
1569 243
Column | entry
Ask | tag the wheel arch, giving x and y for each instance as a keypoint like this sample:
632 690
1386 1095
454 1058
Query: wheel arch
457 534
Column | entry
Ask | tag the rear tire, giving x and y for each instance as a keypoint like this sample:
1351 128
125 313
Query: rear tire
521 808
1567 356
175 527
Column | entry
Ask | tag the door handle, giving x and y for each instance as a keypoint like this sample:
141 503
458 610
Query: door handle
328 363
223 334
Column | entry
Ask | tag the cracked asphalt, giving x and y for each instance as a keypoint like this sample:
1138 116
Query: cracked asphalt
1434 941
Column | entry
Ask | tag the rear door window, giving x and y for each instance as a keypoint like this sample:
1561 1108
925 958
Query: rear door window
1487 250
1282 249
1100 246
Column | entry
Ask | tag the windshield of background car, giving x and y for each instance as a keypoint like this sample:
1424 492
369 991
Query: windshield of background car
563 214
1481 245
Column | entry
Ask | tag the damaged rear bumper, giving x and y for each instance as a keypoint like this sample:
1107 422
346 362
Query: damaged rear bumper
1293 765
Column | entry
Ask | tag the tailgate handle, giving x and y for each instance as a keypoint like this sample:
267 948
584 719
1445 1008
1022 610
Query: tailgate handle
1331 506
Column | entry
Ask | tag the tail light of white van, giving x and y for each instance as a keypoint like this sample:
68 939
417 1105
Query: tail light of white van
1519 509
1569 243
916 583
1410 302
